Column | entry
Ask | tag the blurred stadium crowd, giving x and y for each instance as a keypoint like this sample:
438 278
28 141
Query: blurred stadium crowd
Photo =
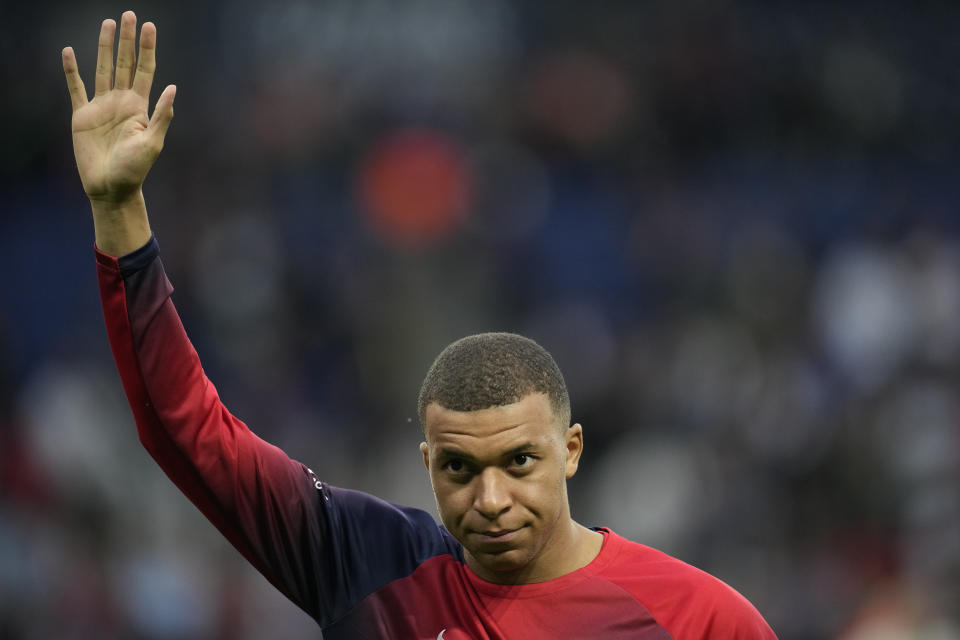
735 225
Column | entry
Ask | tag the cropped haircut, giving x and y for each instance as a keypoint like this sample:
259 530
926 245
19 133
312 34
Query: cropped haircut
492 370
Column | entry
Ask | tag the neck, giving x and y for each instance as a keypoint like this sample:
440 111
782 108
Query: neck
575 550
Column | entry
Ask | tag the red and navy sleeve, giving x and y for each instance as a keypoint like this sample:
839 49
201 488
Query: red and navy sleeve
325 548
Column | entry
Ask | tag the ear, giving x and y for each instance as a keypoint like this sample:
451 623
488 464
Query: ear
425 450
573 444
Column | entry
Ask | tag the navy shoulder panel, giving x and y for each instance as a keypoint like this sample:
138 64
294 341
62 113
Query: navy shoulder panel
375 542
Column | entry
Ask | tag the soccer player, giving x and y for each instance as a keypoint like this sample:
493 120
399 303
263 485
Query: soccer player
508 561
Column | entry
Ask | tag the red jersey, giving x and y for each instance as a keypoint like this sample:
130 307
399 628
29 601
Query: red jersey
364 568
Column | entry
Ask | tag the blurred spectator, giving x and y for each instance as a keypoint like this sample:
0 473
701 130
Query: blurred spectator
734 224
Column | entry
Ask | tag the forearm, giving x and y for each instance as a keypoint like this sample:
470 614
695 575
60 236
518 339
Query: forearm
121 227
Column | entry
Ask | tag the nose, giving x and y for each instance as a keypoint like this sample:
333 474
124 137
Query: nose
492 496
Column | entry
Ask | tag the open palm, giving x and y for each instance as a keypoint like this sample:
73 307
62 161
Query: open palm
114 140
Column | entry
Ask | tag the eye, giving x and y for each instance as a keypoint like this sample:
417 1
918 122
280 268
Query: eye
522 460
455 466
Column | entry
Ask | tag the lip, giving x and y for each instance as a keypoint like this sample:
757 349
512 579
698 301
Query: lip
498 535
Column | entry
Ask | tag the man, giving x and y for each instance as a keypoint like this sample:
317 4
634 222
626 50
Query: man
508 562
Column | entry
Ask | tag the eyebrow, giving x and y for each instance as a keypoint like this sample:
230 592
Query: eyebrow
449 453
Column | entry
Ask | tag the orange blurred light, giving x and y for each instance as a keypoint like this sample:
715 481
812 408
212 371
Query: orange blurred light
415 187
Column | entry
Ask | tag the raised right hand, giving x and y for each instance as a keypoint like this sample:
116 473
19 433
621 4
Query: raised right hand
114 141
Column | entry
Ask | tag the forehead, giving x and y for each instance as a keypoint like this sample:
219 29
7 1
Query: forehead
530 419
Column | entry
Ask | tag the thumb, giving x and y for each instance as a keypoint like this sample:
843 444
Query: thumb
162 113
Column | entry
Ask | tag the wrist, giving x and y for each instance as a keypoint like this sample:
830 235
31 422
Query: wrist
130 202
120 226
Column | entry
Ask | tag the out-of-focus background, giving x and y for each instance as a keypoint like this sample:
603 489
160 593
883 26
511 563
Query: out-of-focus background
735 225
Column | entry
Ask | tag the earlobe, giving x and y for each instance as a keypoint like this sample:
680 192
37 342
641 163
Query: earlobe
425 450
574 447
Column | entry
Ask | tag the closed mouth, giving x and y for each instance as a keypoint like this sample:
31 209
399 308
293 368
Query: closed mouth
497 535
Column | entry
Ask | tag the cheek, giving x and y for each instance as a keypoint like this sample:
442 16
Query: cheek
549 492
539 493
452 502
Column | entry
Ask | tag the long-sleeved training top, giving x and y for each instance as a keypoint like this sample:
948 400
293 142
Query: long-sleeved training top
361 567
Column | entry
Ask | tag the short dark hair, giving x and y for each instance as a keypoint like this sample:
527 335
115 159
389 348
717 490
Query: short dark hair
492 370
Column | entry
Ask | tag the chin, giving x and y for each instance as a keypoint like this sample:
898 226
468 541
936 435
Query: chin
504 563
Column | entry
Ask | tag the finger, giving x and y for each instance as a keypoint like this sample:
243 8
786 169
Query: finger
162 115
104 78
78 93
125 50
147 60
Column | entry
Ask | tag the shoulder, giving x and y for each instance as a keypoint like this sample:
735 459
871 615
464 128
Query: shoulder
688 602
381 527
